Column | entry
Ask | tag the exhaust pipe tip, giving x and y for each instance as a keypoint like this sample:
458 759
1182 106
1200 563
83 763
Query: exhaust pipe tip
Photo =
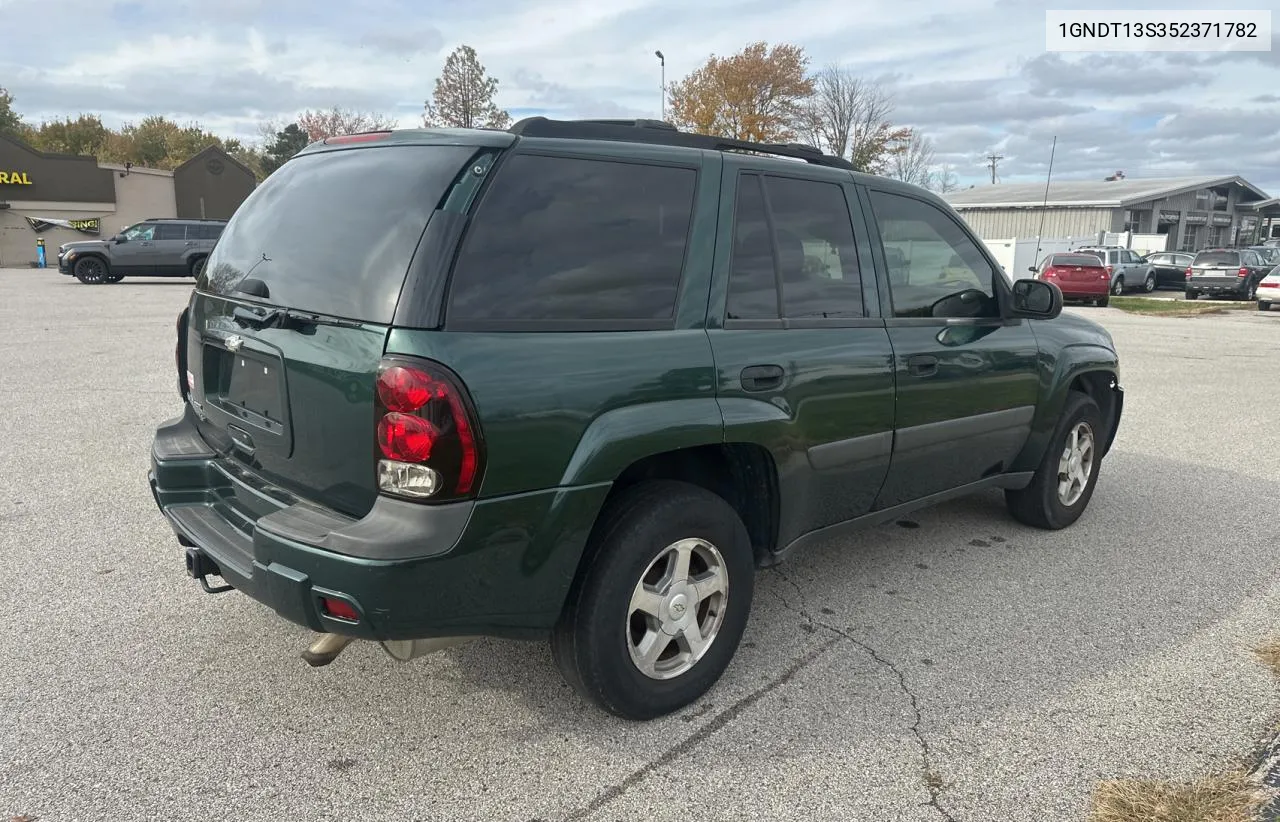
325 649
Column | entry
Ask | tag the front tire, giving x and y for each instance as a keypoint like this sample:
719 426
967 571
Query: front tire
1063 484
660 605
91 270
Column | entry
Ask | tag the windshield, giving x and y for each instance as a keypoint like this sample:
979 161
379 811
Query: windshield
1229 258
334 232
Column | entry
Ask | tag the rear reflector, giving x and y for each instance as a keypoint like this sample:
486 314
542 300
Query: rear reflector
339 609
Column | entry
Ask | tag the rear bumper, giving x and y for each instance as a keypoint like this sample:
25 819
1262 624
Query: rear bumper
1219 285
497 567
1269 294
1076 291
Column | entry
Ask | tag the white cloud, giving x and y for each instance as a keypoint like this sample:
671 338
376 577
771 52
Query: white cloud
972 75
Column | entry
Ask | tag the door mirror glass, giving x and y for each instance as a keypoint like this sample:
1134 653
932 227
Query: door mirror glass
1036 299
119 238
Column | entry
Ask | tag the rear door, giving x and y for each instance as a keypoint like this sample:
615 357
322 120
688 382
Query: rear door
170 249
292 310
967 379
803 360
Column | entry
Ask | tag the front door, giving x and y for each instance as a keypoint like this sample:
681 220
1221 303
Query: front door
136 255
967 381
804 365
171 246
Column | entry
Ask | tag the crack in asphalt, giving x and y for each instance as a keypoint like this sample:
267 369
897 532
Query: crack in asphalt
932 781
688 744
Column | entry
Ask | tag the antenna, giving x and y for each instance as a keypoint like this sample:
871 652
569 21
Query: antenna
992 159
1044 209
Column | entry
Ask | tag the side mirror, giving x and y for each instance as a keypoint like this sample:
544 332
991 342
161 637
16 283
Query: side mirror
1036 300
119 238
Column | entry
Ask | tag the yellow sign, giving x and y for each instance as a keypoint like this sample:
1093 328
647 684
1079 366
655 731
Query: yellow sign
14 178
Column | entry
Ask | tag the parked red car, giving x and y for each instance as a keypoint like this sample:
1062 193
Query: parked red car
1080 276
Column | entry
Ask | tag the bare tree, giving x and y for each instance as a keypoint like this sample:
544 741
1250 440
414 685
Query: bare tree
913 163
337 121
849 117
943 179
463 96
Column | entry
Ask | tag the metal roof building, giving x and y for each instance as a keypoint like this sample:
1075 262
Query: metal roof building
1192 211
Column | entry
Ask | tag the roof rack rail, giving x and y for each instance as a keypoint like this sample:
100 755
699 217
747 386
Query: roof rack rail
660 132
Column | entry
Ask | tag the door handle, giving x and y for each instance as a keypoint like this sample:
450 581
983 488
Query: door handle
922 365
761 377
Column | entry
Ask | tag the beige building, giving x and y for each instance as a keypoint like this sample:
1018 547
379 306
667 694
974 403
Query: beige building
63 198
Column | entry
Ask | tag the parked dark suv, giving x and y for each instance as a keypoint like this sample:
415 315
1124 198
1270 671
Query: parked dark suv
158 247
1226 272
582 379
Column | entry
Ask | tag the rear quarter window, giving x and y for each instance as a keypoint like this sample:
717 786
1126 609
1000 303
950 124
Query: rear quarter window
587 242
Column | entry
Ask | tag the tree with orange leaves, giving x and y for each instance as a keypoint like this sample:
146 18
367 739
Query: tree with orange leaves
756 94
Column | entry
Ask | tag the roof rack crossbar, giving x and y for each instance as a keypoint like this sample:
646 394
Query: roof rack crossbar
659 132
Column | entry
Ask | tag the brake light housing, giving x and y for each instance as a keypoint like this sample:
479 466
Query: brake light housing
428 443
1188 272
1243 272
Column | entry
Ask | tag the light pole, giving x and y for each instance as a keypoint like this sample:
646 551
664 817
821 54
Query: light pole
663 60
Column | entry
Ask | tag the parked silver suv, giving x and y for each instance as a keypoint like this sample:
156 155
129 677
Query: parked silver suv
158 247
1128 270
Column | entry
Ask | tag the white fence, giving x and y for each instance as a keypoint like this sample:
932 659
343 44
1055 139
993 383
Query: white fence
1018 254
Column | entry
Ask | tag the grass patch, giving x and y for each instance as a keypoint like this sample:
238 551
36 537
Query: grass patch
1229 797
1178 308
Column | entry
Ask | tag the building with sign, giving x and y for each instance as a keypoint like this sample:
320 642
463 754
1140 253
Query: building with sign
61 197
1190 212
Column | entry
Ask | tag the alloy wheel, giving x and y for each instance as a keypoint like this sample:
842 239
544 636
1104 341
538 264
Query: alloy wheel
1075 466
677 608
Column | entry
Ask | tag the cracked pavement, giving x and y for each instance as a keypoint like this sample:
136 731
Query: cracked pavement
952 666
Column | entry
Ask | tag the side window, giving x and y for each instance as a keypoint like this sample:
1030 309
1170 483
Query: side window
817 259
934 269
753 285
1130 257
141 231
204 231
169 231
558 238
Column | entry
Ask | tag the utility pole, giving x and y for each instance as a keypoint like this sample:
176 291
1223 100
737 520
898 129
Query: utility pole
663 60
992 159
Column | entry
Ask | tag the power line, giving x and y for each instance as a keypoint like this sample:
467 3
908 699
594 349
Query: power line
992 160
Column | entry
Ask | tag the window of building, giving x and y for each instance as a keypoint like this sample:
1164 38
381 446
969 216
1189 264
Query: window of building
554 240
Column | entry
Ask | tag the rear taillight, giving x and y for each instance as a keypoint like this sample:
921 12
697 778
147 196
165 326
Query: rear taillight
1188 272
180 354
1243 272
428 442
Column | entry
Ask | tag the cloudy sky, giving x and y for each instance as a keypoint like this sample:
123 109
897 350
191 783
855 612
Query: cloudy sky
971 74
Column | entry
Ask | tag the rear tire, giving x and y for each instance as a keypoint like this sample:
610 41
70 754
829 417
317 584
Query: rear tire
1103 302
1063 483
1192 295
91 270
1117 288
197 266
1264 306
628 639
1149 284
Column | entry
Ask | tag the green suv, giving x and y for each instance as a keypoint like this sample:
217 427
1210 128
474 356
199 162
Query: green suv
581 379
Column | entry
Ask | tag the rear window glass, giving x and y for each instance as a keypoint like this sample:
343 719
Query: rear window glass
334 232
1076 259
1217 258
565 239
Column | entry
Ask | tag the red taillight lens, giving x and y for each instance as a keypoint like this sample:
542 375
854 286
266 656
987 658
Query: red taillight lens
406 438
428 444
339 608
1244 272
405 389
1188 272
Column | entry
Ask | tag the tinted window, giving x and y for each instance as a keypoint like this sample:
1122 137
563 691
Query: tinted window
817 261
1130 257
568 239
204 231
753 287
935 270
1086 260
1217 258
334 232
169 231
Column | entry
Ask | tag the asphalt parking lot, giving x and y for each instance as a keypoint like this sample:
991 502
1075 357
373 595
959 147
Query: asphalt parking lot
958 666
